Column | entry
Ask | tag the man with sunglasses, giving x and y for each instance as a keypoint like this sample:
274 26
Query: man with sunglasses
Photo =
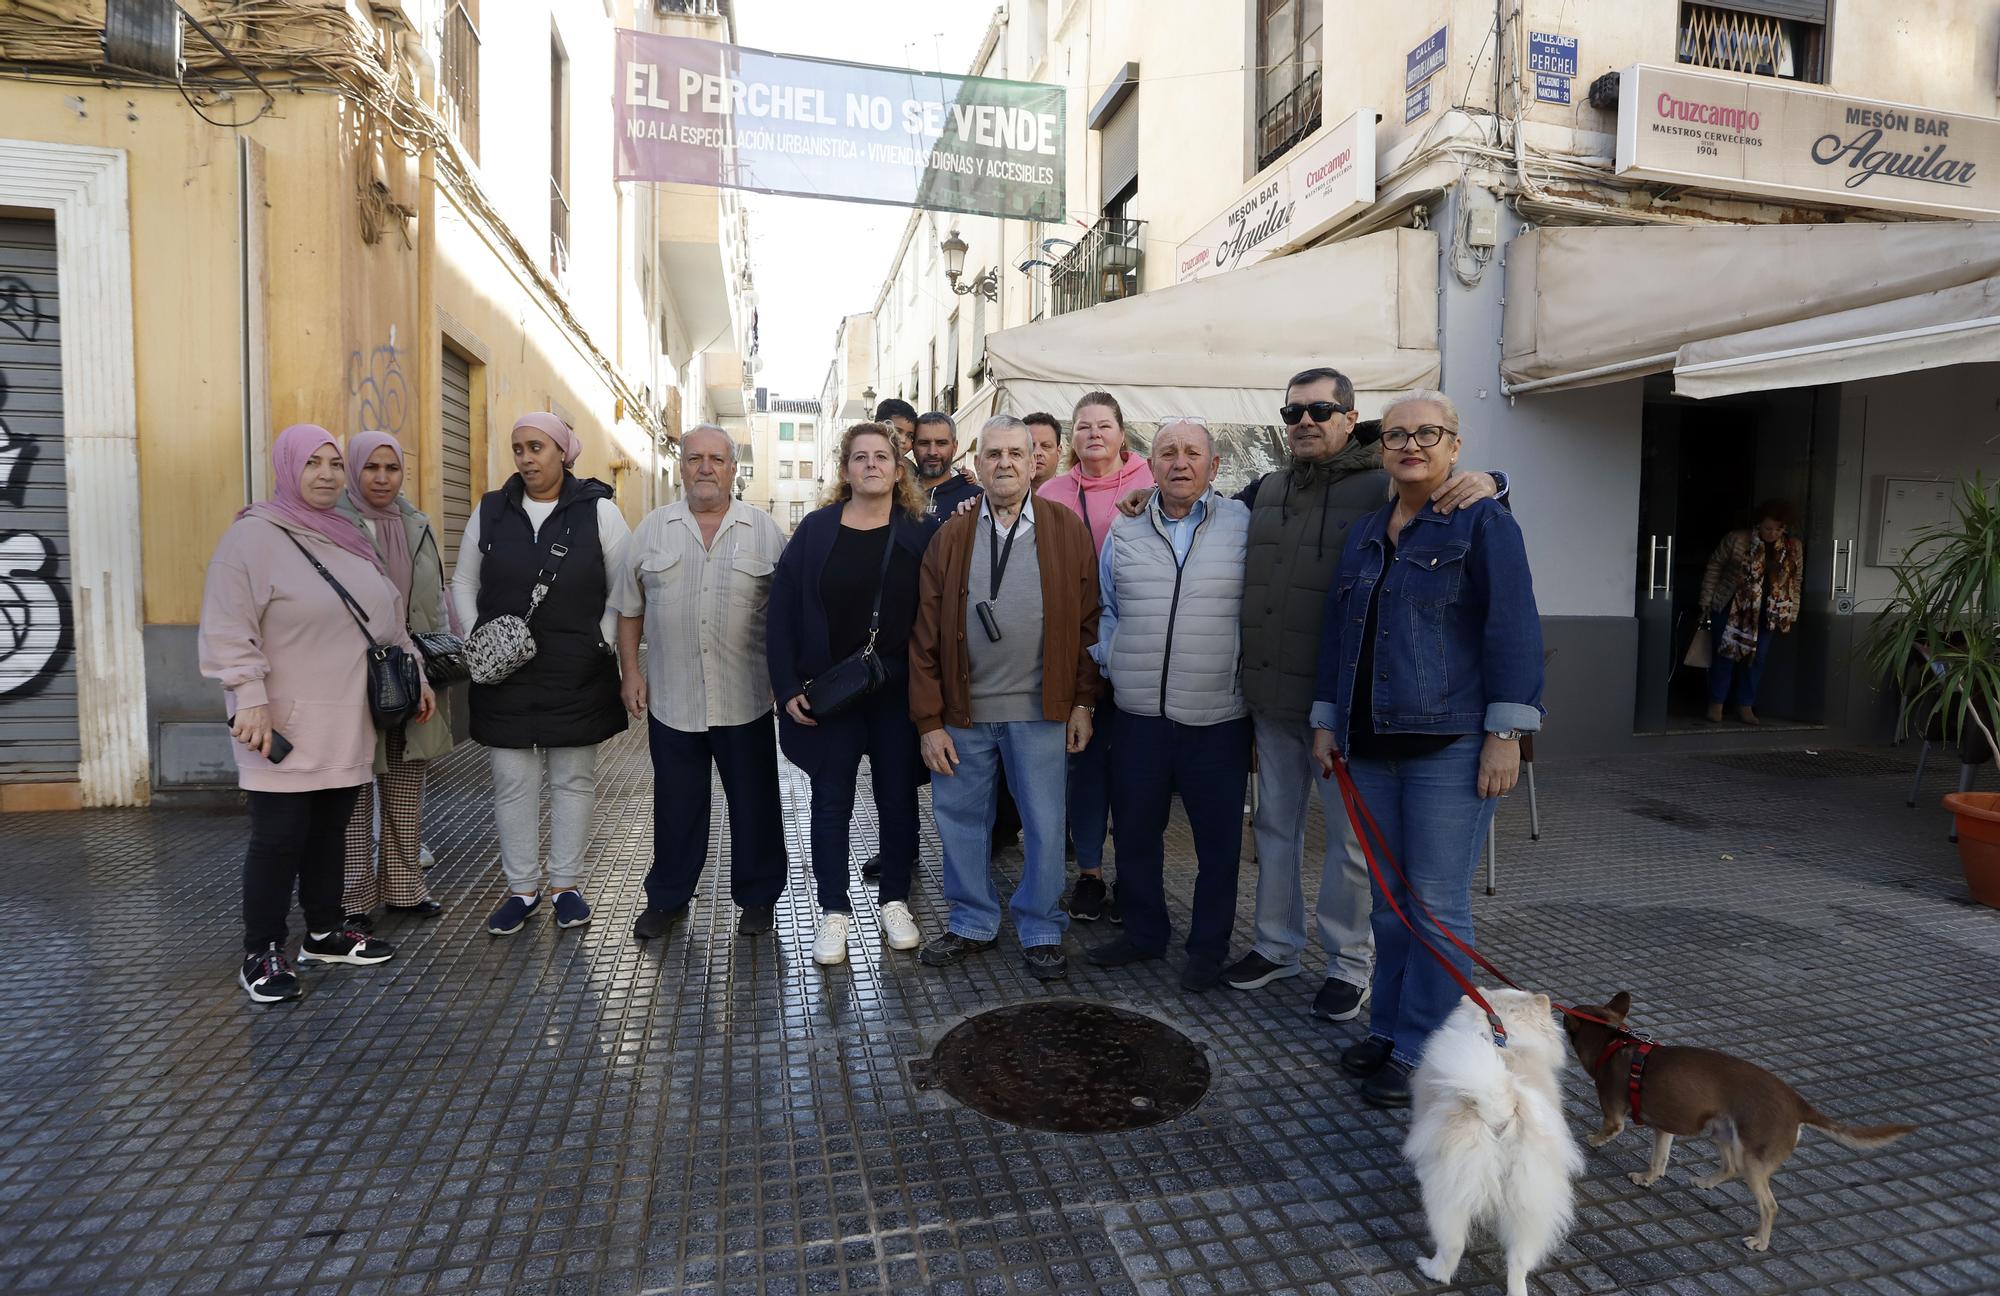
1299 519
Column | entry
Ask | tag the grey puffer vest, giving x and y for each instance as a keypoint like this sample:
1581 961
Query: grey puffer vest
1176 649
1298 526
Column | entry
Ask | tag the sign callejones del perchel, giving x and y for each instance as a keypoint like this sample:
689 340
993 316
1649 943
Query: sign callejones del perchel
1776 140
700 112
1324 181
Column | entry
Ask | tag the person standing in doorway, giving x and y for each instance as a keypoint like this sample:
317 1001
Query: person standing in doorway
293 666
696 578
847 582
1750 592
393 875
1001 680
1171 584
1048 446
1104 470
545 527
1299 519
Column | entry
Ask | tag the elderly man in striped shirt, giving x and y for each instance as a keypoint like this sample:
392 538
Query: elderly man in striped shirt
697 580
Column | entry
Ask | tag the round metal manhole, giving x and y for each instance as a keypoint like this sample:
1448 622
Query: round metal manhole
1069 1067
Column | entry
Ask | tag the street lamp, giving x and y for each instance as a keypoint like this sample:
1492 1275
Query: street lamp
868 399
985 284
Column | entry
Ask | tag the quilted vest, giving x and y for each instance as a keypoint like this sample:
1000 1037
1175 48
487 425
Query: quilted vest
1176 649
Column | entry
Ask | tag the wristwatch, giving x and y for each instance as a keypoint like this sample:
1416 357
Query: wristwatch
1507 735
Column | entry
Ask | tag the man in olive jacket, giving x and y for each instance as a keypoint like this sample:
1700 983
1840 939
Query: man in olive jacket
1299 519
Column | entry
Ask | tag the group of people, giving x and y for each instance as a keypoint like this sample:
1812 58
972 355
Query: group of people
1056 649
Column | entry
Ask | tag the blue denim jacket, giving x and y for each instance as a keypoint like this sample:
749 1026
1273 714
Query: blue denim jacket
1461 645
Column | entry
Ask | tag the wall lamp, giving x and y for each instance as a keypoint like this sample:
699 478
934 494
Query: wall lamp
984 284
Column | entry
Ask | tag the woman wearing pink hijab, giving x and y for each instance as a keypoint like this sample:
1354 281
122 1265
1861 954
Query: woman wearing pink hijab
414 561
293 667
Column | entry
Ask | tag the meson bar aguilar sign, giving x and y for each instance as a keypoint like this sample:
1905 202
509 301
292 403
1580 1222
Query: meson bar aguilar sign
1322 183
699 112
1773 139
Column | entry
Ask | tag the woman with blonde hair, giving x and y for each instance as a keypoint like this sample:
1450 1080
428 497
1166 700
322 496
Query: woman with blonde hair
847 584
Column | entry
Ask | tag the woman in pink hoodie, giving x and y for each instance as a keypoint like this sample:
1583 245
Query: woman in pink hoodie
1103 471
292 661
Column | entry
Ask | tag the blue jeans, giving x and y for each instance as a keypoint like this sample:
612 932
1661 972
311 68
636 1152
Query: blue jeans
1430 811
1724 671
1209 765
1031 751
1090 788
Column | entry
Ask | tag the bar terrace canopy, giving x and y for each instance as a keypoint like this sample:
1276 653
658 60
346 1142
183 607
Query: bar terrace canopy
1733 308
1222 348
691 111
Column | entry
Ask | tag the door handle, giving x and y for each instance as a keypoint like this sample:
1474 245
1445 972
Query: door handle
1652 565
1843 567
1667 581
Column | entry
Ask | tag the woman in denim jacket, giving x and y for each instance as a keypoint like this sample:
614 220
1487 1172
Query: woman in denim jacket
1430 670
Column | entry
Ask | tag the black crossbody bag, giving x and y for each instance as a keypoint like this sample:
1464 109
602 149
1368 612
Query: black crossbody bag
844 685
395 680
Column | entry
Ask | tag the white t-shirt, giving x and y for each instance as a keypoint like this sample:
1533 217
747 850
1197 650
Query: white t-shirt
612 534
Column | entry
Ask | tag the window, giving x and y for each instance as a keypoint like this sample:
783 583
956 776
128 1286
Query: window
785 469
746 471
805 470
1288 50
458 74
558 158
787 431
805 432
949 401
1773 38
798 512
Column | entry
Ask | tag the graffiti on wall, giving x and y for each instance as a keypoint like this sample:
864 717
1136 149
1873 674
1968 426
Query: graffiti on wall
20 309
375 381
34 611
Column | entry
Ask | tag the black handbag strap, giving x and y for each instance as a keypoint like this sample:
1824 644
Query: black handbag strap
881 583
546 575
353 608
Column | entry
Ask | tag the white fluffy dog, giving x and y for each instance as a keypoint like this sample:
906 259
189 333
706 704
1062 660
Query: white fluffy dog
1487 1137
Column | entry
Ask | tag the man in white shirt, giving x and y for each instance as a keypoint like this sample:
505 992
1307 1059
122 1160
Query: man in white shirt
696 577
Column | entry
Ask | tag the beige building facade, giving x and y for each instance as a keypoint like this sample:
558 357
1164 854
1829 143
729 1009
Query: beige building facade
781 467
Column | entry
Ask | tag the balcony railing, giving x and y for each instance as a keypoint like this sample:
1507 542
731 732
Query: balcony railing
459 78
1288 121
1103 266
692 8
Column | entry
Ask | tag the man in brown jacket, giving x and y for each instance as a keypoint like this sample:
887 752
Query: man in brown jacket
1001 678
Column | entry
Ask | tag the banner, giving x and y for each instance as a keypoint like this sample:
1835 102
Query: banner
700 112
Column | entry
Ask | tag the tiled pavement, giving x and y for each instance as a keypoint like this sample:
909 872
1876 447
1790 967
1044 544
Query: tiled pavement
567 1112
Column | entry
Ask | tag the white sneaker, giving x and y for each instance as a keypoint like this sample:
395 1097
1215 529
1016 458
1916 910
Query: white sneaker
899 929
830 946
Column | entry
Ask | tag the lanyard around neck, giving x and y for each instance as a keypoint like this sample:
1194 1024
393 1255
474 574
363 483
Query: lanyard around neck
996 554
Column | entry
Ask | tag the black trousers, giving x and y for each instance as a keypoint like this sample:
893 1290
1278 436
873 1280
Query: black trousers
294 837
747 758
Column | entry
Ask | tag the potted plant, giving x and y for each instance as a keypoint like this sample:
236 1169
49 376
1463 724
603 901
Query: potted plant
1938 640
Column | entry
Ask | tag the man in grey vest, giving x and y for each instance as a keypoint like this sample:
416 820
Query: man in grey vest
1171 583
1299 519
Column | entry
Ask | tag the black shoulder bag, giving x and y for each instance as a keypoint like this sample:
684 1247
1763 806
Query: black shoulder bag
395 681
842 686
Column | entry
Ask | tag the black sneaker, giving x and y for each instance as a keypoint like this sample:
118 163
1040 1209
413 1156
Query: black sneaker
1046 962
1367 1057
1253 972
950 948
1339 1001
345 947
873 868
655 923
1389 1087
268 977
360 922
1119 952
1086 898
755 920
1201 974
1111 909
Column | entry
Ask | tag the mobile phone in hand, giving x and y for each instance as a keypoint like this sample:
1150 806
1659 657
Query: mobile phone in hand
281 747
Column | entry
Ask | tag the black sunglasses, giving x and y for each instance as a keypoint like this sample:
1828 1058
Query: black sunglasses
1321 411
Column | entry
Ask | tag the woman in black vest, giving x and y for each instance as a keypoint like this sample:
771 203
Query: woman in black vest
545 526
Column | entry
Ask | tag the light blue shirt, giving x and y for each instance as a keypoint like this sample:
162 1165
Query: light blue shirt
1180 534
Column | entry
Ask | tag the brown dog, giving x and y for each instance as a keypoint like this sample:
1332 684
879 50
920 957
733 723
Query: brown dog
1753 1116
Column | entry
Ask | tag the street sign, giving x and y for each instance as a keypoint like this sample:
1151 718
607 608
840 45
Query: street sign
1555 55
1424 60
1325 180
1416 104
1550 88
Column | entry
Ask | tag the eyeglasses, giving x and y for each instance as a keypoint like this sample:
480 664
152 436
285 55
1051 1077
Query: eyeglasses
1321 411
1426 436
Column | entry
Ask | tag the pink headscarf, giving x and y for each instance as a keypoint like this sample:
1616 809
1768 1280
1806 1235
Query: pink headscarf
391 540
294 446
556 430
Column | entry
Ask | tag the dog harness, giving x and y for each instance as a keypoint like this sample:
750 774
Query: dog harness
1640 1048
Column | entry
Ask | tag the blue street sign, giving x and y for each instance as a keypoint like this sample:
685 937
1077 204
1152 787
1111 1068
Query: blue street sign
1552 54
1416 104
1551 89
1424 60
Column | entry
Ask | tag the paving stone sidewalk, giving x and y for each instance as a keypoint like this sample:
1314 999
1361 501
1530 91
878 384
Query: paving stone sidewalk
567 1112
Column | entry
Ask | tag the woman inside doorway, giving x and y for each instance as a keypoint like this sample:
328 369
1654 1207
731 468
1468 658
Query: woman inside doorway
1751 593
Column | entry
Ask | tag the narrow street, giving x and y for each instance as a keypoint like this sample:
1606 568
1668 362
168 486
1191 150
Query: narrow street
568 1112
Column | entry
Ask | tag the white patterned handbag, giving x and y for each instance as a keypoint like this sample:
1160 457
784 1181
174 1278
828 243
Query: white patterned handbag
498 648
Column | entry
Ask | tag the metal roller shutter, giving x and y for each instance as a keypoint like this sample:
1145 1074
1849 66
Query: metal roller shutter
457 457
38 704
1119 161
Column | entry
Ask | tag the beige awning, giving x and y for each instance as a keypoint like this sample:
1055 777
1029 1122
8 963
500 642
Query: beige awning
1748 307
1222 348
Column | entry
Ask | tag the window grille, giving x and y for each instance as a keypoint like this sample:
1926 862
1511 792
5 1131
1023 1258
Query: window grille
459 77
1753 41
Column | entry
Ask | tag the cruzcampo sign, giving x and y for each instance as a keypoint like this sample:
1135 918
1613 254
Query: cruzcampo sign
700 112
1770 138
1323 181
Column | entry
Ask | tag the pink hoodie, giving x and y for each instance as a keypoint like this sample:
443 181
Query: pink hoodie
274 633
1095 499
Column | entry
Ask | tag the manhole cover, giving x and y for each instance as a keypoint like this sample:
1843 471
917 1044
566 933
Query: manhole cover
1069 1067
